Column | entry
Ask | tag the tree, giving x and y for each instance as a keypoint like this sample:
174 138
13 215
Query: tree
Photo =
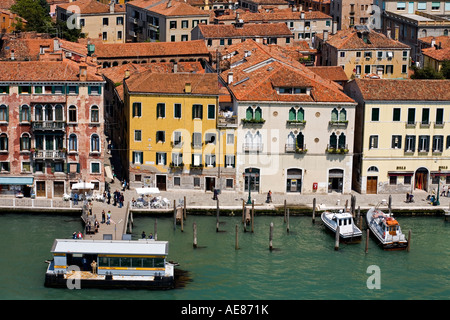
445 70
426 73
36 12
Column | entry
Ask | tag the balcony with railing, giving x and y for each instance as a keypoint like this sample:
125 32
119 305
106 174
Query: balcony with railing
224 121
49 154
339 149
48 125
295 148
252 147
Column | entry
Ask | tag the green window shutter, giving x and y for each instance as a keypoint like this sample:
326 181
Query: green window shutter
292 114
211 111
249 113
258 113
7 113
20 114
65 168
99 89
333 140
301 114
132 156
78 168
334 115
343 115
89 90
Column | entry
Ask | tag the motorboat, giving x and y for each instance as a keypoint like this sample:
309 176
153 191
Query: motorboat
386 229
348 231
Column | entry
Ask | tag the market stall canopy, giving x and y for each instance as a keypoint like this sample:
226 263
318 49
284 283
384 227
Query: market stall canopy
108 173
16 180
83 186
147 190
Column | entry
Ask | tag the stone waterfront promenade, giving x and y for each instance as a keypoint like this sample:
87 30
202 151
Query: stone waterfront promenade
232 200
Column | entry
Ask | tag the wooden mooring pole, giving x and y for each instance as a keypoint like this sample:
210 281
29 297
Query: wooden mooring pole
217 215
314 211
155 231
287 227
285 210
174 214
253 215
336 240
367 240
270 237
236 245
409 240
195 235
184 208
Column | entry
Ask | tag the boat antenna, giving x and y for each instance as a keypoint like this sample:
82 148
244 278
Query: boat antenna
382 202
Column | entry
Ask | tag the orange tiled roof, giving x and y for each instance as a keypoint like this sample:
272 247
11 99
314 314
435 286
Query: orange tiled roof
92 6
151 49
349 39
437 54
173 83
258 75
274 14
169 8
66 70
404 90
220 31
334 73
443 40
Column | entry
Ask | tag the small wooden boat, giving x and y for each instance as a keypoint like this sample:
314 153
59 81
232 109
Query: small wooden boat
110 264
348 231
386 230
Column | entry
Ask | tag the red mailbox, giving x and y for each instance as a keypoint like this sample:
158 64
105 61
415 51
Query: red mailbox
315 186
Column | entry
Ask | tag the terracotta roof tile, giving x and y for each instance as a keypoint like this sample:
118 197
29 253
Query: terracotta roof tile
44 71
404 90
349 39
173 83
220 31
257 75
273 15
443 40
151 49
92 6
175 8
334 73
437 54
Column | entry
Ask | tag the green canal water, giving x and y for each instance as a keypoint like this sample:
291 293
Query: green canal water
303 266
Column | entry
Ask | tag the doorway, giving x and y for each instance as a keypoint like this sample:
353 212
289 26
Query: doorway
294 180
161 182
421 179
372 185
335 180
40 188
210 183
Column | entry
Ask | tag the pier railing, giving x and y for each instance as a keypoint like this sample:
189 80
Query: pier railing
23 203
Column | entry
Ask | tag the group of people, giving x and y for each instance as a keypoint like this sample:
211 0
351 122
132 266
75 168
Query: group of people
118 198
77 235
445 191
92 228
106 217
144 235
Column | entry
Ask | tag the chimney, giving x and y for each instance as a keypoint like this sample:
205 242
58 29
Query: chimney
175 67
169 3
127 74
325 35
56 46
111 6
388 33
302 15
230 77
396 32
334 27
83 72
433 42
187 87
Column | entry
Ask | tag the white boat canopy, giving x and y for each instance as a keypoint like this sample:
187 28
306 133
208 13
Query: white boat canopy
147 190
123 247
83 186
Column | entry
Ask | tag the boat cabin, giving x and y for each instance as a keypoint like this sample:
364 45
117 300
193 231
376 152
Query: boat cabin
112 257
344 221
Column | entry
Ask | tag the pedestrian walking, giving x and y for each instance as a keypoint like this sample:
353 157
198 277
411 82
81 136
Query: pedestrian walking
108 217
109 197
103 216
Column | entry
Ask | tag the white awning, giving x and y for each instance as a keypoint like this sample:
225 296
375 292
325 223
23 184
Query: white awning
108 173
83 186
147 190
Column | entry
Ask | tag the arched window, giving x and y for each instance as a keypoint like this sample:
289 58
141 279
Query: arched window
38 113
334 115
3 142
59 113
446 32
48 116
257 139
4 113
300 141
301 114
292 114
24 113
249 113
73 143
258 113
333 141
94 114
25 142
341 143
291 140
372 169
343 115
95 143
72 114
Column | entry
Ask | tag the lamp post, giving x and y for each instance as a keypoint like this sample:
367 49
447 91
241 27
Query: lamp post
436 202
249 178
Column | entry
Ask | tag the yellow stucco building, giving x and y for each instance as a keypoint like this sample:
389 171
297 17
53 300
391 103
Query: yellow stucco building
173 141
402 135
